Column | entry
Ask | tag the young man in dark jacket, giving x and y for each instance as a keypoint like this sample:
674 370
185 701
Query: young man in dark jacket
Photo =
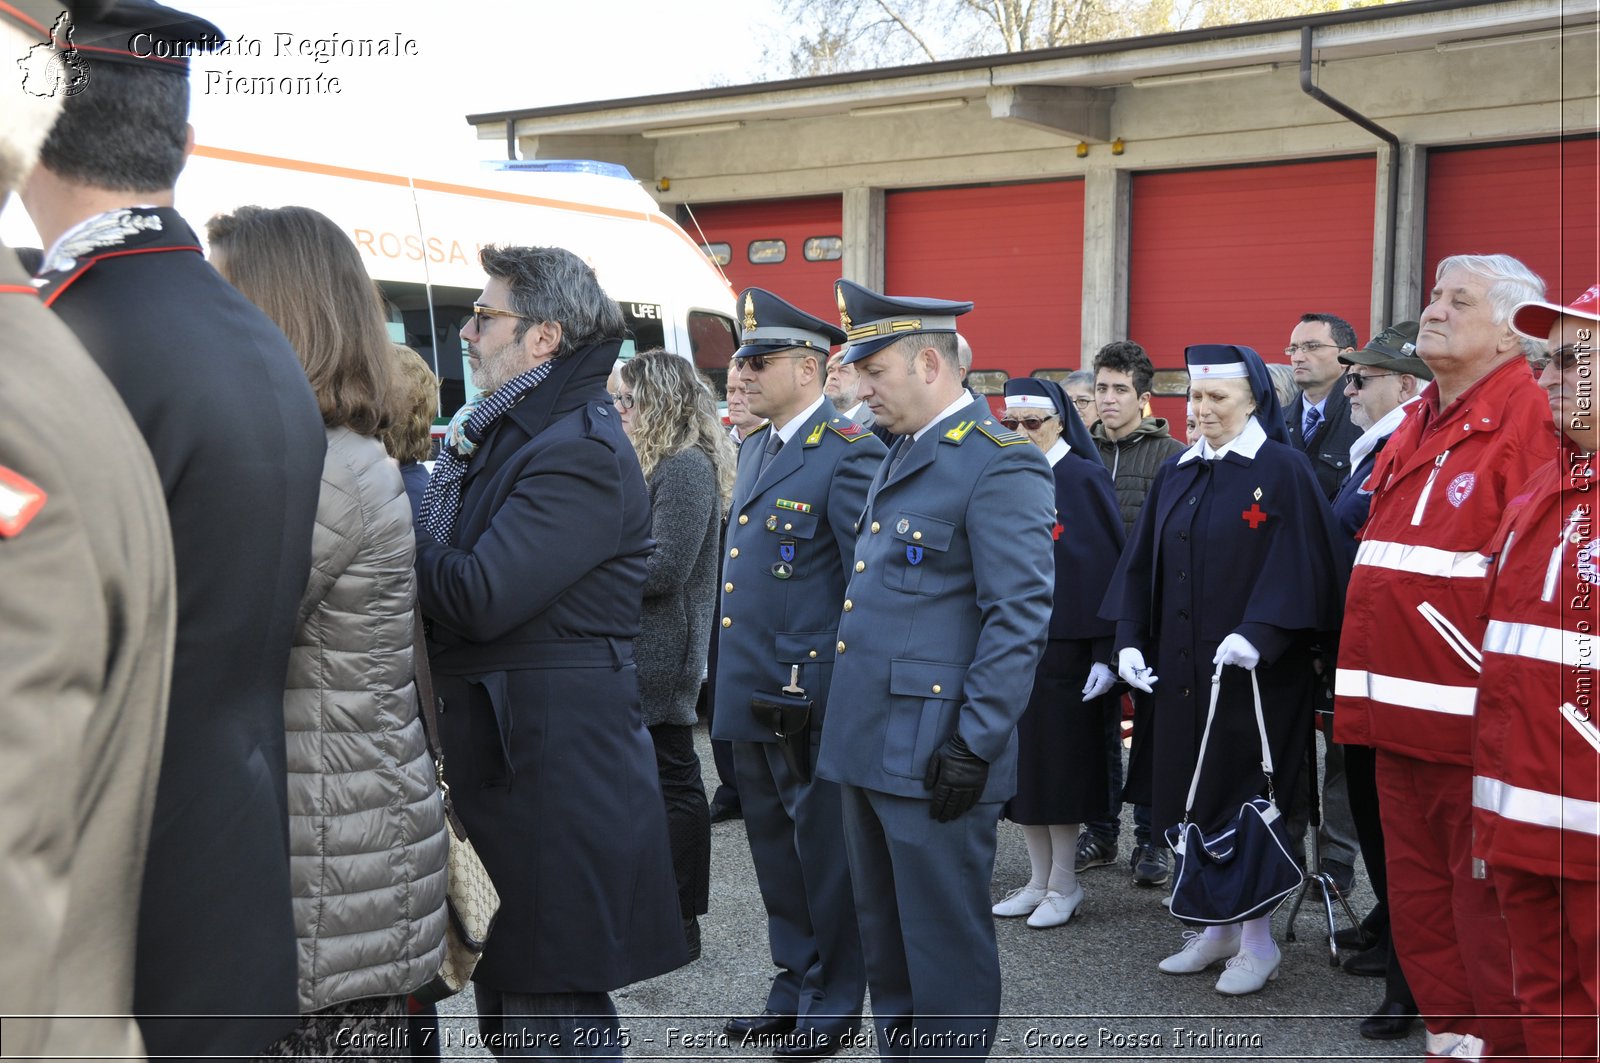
1133 447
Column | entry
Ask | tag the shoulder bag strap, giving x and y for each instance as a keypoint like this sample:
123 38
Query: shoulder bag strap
430 715
1205 737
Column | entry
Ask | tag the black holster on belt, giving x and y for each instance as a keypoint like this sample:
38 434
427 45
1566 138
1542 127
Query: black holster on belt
787 714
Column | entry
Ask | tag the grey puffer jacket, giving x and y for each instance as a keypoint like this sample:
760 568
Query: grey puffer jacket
1133 461
680 588
366 824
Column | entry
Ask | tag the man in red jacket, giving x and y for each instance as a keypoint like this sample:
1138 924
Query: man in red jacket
1536 758
1409 662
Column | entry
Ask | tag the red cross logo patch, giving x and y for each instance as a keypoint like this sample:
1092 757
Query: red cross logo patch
1254 516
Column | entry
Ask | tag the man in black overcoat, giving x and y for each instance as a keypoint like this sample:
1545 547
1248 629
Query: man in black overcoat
530 570
237 440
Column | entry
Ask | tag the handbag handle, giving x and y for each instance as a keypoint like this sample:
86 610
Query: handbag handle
430 715
1205 737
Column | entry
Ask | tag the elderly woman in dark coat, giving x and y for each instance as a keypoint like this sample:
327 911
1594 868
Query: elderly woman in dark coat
671 416
1231 564
1061 762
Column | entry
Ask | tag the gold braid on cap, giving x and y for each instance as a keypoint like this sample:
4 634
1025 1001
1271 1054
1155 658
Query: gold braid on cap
749 313
844 315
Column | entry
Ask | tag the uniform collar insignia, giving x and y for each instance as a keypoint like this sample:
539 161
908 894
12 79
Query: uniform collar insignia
103 230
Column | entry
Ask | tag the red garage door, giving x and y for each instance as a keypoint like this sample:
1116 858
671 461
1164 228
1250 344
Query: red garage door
1237 255
1539 202
1016 251
788 246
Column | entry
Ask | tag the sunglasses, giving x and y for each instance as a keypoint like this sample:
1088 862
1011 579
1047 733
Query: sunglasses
1357 381
1032 424
1565 357
479 312
758 362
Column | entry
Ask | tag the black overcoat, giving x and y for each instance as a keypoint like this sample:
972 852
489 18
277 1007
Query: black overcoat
1236 544
532 613
233 426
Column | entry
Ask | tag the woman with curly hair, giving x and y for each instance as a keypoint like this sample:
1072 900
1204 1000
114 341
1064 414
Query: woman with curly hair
688 461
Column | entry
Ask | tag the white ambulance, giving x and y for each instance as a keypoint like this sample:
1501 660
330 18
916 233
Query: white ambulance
419 238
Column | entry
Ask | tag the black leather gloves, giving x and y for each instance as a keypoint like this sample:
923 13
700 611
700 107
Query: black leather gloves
957 776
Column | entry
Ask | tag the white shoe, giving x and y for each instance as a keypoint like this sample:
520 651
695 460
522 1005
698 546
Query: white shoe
1453 1046
1200 952
1020 901
1055 909
1249 973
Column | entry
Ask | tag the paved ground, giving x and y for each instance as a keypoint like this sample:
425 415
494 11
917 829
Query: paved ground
1089 990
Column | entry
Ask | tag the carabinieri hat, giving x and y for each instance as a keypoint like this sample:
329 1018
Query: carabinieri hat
769 324
1394 349
872 321
140 33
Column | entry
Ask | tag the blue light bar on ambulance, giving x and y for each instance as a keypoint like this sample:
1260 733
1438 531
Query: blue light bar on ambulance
603 169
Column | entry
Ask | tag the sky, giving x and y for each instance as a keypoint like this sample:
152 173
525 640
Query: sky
468 56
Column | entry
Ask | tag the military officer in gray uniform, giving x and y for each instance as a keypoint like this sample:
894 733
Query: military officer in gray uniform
945 618
801 487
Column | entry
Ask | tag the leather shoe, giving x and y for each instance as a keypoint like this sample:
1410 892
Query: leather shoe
1055 909
1200 952
1372 963
1358 938
721 813
1249 973
1390 1022
807 1044
761 1027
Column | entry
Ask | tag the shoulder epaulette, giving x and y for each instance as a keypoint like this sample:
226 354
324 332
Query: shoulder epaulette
847 430
1004 437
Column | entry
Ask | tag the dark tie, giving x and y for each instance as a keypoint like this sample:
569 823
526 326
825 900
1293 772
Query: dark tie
774 444
902 448
1312 422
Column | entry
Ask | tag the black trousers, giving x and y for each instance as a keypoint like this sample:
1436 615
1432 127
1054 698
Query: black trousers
688 815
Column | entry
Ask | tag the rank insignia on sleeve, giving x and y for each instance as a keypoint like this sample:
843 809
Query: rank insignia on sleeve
798 507
20 501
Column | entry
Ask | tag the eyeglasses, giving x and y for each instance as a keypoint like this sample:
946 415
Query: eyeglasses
479 312
1565 357
1083 404
624 401
1311 347
758 362
1357 381
1032 424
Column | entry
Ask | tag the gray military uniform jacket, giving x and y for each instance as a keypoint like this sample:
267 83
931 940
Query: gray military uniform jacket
947 609
366 823
790 532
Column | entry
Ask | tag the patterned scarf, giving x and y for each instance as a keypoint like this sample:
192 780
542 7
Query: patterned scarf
441 502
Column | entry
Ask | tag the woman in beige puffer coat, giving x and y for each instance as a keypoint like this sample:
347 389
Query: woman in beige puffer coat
366 823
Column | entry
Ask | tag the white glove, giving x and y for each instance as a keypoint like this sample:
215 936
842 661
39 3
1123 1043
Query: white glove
1131 667
1236 650
1101 679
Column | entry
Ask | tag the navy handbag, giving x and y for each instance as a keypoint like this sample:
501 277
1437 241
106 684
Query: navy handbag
1245 868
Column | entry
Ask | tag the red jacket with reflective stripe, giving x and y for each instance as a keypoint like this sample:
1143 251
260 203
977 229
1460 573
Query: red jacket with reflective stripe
1407 677
1536 768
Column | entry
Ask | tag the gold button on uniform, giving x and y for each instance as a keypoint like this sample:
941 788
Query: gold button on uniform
861 566
937 689
840 647
813 653
916 535
728 587
744 518
734 552
727 621
848 605
875 527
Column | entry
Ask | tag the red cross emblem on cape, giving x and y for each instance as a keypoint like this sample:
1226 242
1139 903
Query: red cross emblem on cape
1253 516
20 501
1055 532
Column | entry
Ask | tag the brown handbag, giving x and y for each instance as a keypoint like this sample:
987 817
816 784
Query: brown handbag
470 895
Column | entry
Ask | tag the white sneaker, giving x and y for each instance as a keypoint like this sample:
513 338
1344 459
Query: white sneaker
1200 952
1249 973
1468 1047
1020 901
1056 908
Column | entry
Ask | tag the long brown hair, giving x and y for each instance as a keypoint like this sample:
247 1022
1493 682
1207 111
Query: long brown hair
306 274
675 410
